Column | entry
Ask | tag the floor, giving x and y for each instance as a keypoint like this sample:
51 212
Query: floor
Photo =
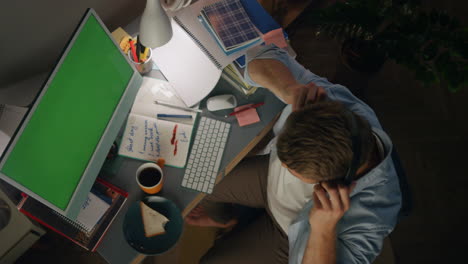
428 126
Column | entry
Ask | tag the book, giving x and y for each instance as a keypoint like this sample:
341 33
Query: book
79 232
91 211
230 25
233 75
148 138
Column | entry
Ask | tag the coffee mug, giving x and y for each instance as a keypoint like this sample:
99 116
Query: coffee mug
150 178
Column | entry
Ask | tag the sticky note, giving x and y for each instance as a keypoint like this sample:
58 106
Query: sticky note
247 117
276 37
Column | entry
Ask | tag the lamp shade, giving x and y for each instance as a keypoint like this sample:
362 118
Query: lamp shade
155 26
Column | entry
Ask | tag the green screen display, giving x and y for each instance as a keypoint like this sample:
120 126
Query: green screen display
52 153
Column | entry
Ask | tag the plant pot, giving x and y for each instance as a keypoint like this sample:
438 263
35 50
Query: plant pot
362 56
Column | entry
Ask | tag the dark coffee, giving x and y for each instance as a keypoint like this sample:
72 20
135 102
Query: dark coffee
149 177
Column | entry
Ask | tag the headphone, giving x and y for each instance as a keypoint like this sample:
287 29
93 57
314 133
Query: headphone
355 147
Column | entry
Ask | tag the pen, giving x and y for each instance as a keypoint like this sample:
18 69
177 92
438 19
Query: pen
245 109
138 48
132 46
178 107
174 116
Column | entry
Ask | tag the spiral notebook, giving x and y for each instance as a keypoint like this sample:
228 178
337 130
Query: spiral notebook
89 232
192 61
229 24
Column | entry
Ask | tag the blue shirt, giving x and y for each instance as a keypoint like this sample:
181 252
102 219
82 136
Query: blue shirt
376 199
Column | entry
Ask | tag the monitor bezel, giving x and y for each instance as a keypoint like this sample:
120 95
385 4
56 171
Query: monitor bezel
113 127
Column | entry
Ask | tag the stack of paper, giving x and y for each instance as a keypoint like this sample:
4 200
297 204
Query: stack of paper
230 25
232 74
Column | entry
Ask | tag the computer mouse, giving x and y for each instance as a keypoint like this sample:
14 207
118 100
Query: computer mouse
220 102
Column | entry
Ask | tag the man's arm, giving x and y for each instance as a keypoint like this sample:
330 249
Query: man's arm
330 204
275 76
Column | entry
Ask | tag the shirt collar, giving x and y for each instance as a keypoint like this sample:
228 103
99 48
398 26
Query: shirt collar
374 176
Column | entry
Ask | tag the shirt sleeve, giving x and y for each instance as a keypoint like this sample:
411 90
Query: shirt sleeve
302 75
355 245
360 246
271 51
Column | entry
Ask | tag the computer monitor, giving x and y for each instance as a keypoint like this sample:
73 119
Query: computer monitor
58 150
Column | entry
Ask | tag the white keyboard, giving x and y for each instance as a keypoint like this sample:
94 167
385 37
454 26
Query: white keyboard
205 157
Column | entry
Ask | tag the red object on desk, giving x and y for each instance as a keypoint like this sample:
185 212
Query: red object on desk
247 108
134 55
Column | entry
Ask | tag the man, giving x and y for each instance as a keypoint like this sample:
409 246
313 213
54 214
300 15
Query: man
306 217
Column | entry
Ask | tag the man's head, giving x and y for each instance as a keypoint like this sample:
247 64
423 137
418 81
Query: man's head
316 142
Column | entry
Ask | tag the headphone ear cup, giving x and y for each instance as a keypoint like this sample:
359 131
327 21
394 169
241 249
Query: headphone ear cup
355 147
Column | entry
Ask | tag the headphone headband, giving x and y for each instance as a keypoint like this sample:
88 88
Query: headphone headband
355 147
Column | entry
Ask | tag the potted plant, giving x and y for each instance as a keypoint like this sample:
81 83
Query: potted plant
432 44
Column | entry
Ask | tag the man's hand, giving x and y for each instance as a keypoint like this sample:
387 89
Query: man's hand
331 201
306 94
328 209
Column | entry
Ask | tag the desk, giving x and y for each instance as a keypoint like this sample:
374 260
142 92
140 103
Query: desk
241 140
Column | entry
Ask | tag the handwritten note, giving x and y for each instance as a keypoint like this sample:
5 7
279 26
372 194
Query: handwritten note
148 139
91 211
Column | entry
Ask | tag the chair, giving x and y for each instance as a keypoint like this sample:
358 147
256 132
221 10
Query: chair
406 194
17 232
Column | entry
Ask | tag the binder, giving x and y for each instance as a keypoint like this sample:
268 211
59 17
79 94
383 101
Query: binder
73 230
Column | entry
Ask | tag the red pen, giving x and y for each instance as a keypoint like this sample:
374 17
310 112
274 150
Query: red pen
247 108
134 55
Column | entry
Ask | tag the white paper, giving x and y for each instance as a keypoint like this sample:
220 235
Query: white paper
187 68
148 139
91 211
152 90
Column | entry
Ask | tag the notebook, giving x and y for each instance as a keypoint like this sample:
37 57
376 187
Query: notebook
192 61
229 25
148 138
79 232
91 211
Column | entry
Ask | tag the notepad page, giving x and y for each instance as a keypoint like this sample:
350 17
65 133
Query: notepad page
91 211
152 90
149 139
192 74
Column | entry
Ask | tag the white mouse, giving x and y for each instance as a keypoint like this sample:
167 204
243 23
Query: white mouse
221 102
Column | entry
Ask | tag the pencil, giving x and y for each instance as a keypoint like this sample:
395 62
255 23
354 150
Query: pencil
174 116
245 109
132 46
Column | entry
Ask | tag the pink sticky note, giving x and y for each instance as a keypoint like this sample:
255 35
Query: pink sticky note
276 37
247 117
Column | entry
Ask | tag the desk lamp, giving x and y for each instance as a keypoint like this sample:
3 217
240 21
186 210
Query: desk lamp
155 26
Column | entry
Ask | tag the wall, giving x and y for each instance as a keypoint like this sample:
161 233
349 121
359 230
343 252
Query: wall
35 32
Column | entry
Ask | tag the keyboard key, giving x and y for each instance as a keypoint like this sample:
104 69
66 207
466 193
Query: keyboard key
205 157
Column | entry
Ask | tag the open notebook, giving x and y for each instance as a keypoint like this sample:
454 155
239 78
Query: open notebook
192 61
148 138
